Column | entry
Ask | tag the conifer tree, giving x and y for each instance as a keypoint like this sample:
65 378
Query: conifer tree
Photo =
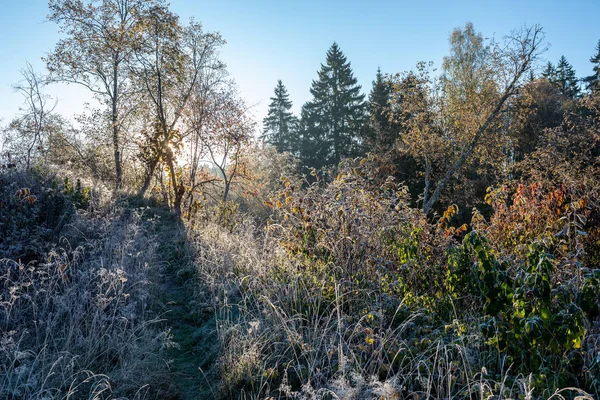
314 148
381 134
593 81
333 122
280 125
549 72
565 79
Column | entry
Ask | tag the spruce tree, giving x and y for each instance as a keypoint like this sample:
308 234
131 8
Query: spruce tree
593 81
314 149
381 135
565 79
333 122
280 125
549 73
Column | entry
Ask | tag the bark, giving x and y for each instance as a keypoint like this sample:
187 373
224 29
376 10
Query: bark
115 129
226 192
177 188
148 178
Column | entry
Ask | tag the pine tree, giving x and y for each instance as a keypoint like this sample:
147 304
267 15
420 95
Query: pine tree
593 81
333 122
280 125
565 79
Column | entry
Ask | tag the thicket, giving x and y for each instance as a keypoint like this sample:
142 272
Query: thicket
352 293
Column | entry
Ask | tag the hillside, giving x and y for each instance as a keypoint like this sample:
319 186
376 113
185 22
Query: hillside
435 235
122 299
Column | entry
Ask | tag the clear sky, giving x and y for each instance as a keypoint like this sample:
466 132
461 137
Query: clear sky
287 39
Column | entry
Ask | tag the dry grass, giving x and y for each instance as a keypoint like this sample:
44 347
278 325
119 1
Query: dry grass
323 324
76 324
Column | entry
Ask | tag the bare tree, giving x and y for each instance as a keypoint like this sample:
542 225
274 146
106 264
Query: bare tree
227 132
196 118
28 132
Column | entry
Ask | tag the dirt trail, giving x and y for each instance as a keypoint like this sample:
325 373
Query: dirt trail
193 333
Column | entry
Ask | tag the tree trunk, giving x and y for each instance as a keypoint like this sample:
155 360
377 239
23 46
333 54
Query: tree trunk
226 192
178 190
148 178
117 154
454 168
115 128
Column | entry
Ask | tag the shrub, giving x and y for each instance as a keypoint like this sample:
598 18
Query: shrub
360 226
351 293
34 210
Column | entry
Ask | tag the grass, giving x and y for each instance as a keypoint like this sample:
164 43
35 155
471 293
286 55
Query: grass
132 303
77 323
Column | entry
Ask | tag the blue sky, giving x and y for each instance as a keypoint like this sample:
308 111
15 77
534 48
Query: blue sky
269 40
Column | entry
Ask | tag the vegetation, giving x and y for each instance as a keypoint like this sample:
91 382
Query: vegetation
438 240
280 124
332 123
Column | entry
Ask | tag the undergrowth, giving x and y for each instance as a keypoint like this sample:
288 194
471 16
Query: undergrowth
75 320
347 292
350 293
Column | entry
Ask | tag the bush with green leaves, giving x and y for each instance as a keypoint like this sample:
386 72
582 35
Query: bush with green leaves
351 292
525 306
360 226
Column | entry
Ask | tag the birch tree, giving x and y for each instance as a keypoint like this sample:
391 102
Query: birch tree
450 119
100 36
